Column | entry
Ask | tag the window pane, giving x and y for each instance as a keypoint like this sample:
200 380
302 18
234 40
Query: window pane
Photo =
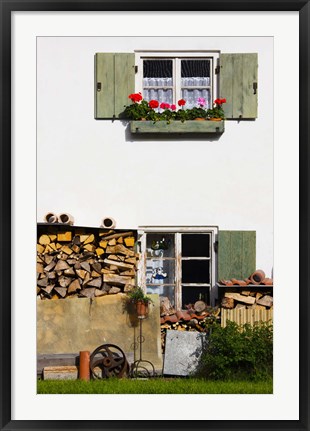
160 245
191 97
157 69
167 291
195 271
196 245
195 68
159 271
191 294
159 94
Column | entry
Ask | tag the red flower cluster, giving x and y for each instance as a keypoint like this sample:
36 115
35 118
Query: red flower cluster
219 101
181 102
135 97
164 105
153 104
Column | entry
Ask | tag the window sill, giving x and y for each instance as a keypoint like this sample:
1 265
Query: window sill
193 126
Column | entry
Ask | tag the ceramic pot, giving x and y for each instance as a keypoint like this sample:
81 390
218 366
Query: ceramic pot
142 309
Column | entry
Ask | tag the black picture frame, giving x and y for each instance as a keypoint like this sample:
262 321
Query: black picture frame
6 8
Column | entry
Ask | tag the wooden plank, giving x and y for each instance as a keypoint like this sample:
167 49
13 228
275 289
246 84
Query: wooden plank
248 253
104 97
237 78
190 126
226 83
243 316
249 105
124 80
236 254
65 372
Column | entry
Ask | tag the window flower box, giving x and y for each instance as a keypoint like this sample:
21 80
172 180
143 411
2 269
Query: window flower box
175 126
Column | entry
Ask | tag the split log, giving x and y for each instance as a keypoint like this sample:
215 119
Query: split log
120 248
118 264
118 235
44 240
240 298
266 300
61 265
118 279
200 306
114 290
64 236
228 303
96 282
74 286
62 291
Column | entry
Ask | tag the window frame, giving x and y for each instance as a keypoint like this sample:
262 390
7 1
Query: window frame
178 231
177 56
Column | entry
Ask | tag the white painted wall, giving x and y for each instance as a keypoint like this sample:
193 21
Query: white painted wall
93 169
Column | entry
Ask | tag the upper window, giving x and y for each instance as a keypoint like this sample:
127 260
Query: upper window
169 77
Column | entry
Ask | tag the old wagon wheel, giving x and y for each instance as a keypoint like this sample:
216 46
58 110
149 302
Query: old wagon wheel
107 361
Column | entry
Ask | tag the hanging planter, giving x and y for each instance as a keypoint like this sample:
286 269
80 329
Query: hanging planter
142 309
140 300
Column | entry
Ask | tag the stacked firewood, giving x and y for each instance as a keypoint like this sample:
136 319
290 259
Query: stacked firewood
251 299
78 263
196 317
254 292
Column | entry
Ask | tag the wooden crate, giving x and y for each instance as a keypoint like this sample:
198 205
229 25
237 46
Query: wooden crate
243 315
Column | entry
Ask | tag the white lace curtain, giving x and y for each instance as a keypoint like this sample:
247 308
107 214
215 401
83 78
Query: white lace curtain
158 73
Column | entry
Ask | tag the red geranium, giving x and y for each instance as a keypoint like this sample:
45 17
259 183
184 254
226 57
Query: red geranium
135 97
181 102
153 104
219 101
164 105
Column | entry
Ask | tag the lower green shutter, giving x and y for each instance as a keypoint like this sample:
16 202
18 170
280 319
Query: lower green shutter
238 85
236 254
114 81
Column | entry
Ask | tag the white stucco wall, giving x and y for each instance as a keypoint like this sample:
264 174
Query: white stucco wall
93 169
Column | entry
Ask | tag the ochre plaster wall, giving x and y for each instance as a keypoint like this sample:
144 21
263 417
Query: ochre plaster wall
73 325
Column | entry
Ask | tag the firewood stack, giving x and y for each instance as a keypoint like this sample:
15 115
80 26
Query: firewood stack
254 292
80 264
196 317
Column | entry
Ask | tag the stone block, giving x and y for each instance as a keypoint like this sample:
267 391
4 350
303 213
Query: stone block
183 351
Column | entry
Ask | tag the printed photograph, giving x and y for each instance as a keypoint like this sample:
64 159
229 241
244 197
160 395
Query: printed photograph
155 215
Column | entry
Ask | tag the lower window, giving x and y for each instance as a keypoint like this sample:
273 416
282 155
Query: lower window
178 264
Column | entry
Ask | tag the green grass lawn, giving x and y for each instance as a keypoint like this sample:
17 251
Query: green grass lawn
153 386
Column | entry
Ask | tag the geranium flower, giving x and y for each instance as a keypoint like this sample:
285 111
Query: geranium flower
153 104
164 105
201 101
181 102
173 107
219 101
135 97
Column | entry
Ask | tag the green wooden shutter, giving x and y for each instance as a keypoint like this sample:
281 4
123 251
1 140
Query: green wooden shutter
238 84
114 81
236 254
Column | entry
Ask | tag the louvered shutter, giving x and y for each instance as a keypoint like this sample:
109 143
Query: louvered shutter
114 81
238 84
236 254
